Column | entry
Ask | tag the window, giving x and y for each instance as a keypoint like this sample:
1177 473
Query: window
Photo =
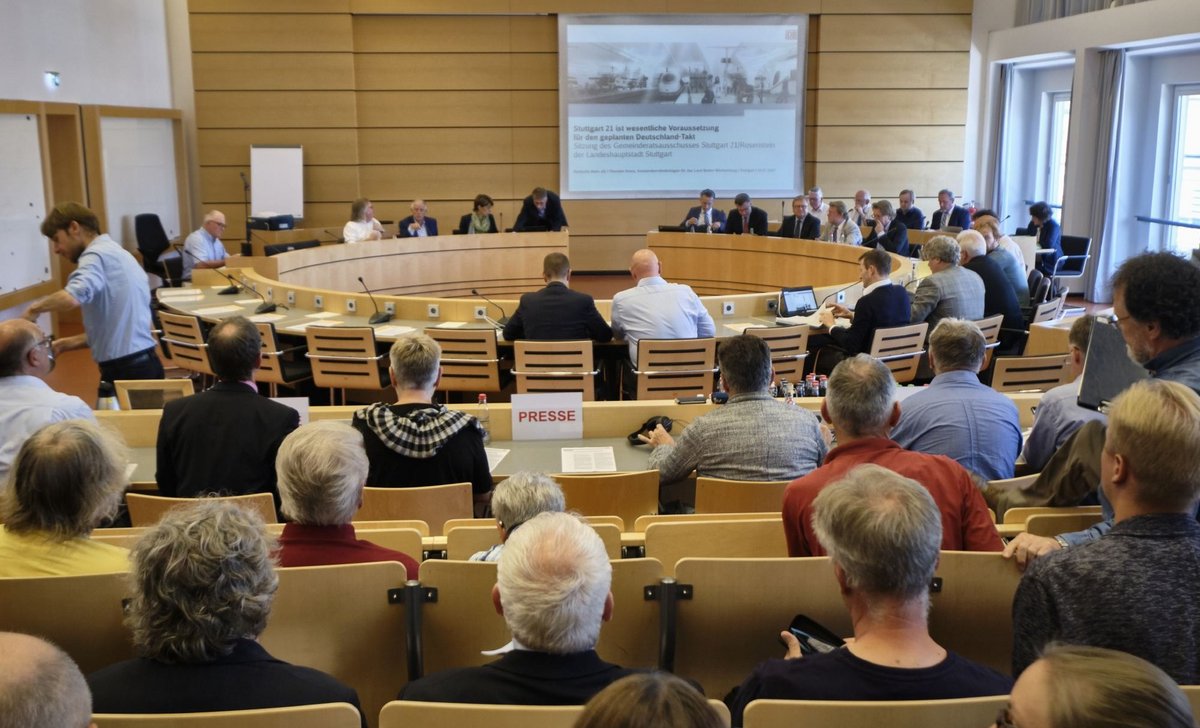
1059 122
1183 199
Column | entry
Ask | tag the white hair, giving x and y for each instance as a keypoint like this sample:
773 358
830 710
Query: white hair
321 468
523 495
40 686
972 243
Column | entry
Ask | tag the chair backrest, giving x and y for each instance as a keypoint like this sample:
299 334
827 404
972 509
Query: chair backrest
672 542
469 359
409 713
327 715
152 240
147 510
717 495
1048 311
188 348
463 541
627 495
555 366
789 347
150 393
405 540
345 357
339 619
1053 524
1023 514
1076 250
434 504
1030 373
900 349
644 522
417 525
1193 695
975 588
80 614
956 713
990 326
669 368
270 370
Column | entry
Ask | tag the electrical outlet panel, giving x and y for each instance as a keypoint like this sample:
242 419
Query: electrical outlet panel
318 302
390 307
841 296
291 298
481 313
270 293
435 311
727 308
773 305
351 305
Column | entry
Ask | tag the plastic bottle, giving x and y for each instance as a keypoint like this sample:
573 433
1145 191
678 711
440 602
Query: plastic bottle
485 419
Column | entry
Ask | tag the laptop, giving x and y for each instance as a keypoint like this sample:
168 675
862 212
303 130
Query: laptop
799 301
1107 370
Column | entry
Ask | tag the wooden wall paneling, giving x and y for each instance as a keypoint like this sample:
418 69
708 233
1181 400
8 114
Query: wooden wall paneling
887 143
316 214
93 162
321 146
470 145
275 6
890 70
321 183
413 7
449 33
605 252
787 7
412 72
275 71
888 7
841 179
435 181
903 33
848 108
535 144
527 176
564 7
624 217
270 33
275 109
437 109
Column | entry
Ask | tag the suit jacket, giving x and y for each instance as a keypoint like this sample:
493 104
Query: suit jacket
914 219
895 240
464 224
951 293
959 218
847 233
430 227
717 217
882 308
1049 235
810 228
998 294
557 313
758 222
554 220
221 440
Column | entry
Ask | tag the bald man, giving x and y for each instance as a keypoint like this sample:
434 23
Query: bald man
40 686
26 357
655 309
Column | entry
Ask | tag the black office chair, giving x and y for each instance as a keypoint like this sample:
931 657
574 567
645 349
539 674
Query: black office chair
1076 251
152 242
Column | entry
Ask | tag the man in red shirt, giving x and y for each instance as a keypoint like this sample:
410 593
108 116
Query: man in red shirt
861 405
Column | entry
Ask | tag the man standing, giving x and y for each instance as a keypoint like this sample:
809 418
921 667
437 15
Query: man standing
26 358
753 437
998 294
225 438
860 214
112 291
704 215
840 229
655 309
911 216
949 214
951 291
541 210
745 219
417 225
1049 236
800 224
957 415
556 312
862 407
816 204
881 306
203 248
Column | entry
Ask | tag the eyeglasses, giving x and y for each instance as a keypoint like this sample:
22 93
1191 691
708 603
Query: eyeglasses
1004 718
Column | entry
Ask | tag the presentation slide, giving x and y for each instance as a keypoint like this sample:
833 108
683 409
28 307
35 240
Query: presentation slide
663 106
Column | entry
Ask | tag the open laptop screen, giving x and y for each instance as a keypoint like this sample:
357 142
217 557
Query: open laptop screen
1108 370
799 301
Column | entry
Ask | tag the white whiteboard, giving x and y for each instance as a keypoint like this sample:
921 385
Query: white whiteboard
24 253
139 175
276 181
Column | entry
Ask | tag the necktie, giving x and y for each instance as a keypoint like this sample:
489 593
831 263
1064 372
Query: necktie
745 223
796 228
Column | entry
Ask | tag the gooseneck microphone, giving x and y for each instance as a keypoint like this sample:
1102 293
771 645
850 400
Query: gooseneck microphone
229 290
379 317
264 307
503 316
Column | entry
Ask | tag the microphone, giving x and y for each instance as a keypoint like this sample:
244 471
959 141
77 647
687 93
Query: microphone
501 225
264 307
229 290
503 316
379 317
245 183
840 290
914 280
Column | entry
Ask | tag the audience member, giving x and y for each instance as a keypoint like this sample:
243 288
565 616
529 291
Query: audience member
861 405
998 294
882 305
541 210
816 204
655 309
886 229
950 291
480 219
203 248
1073 686
202 589
704 215
957 415
40 686
745 218
1049 236
418 224
752 437
1007 255
860 212
362 225
26 359
224 439
517 499
649 700
840 229
800 224
556 312
552 588
415 442
911 216
322 468
1137 588
67 479
883 533
948 214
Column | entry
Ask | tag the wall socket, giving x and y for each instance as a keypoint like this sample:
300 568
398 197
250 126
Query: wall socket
390 307
773 305
318 302
270 294
291 298
841 296
434 310
481 313
351 305
727 308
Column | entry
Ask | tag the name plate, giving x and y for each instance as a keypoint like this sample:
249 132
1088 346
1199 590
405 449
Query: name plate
553 416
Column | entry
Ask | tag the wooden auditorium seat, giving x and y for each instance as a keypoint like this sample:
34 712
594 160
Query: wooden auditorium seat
971 606
463 541
731 539
718 495
147 510
627 495
327 715
957 713
433 504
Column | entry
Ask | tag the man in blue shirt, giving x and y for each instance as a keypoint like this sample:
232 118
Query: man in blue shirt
655 309
111 290
958 416
203 248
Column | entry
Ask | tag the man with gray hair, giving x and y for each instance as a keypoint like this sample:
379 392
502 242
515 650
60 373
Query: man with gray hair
957 415
950 291
415 442
552 588
840 228
322 468
203 248
862 407
999 296
517 499
40 686
883 534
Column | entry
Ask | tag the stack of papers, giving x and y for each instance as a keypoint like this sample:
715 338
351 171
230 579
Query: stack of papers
217 310
588 460
394 330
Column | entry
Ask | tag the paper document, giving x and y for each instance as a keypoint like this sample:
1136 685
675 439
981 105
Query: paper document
321 315
394 330
741 328
214 310
180 293
263 318
248 301
451 325
494 456
306 324
588 460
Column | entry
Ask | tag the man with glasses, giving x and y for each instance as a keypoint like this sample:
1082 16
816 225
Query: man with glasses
26 358
203 248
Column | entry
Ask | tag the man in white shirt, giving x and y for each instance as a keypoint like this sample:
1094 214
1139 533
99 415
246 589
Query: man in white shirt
860 214
655 309
816 205
26 357
203 248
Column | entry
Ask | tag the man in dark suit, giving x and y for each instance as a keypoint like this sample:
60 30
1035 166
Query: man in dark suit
541 210
224 439
894 238
998 294
910 215
746 219
557 313
418 225
800 224
704 215
552 588
882 306
949 214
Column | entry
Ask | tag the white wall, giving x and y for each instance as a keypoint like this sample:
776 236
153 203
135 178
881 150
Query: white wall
107 51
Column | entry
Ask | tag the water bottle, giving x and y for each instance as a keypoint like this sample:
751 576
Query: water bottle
485 419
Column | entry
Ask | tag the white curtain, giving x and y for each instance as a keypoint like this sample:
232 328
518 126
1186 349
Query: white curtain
1107 251
994 196
1036 11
